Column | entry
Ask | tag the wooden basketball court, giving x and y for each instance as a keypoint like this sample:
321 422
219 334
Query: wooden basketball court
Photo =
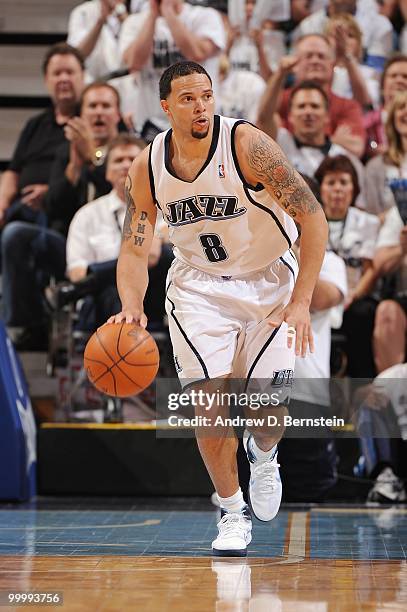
155 555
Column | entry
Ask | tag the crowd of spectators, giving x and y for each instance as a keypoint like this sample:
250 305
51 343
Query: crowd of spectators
326 78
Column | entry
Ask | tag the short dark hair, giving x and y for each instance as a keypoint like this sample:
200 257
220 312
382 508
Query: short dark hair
100 85
393 59
175 71
62 49
306 86
124 140
339 163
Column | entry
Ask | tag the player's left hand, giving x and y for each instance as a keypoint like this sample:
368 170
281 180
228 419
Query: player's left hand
297 317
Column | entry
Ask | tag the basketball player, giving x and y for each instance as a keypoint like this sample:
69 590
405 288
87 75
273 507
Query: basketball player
232 202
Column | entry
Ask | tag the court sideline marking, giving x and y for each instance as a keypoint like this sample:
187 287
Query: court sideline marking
146 523
297 541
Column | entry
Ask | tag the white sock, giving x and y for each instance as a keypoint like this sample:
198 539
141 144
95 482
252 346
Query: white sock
234 503
262 455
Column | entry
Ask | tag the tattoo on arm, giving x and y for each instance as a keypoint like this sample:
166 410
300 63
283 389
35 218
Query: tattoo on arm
139 238
128 233
130 212
273 169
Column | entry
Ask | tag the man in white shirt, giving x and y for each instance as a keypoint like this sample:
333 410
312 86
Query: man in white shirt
309 454
307 145
165 32
330 292
95 231
94 28
313 59
94 235
240 91
381 422
252 44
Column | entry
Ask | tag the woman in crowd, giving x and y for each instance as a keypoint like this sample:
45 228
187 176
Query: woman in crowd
386 175
352 79
352 236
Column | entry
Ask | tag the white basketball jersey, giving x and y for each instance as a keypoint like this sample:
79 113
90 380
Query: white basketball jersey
218 223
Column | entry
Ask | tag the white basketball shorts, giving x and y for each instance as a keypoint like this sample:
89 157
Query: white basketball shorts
218 325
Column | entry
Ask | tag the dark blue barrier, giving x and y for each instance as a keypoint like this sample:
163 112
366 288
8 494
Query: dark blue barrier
17 427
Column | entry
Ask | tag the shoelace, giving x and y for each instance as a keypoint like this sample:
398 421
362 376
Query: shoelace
387 477
230 522
267 471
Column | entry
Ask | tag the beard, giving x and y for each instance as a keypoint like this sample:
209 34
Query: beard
199 135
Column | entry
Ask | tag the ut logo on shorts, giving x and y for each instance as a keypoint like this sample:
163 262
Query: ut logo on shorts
282 378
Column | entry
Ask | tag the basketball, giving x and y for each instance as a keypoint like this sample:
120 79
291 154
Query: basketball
121 359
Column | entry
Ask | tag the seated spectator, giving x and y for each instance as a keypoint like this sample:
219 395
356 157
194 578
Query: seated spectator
381 422
352 236
395 11
376 29
314 60
300 9
307 145
94 28
25 182
94 235
78 172
310 453
239 91
276 11
245 45
93 246
32 253
386 174
284 26
393 80
390 330
160 35
352 79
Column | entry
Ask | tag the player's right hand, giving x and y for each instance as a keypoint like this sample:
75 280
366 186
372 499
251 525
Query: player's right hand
129 316
296 315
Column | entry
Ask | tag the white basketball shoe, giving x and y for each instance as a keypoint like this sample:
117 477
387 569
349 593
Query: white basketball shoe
387 489
235 533
265 488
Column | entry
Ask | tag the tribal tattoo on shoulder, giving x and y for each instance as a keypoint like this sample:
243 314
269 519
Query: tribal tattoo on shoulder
273 169
128 233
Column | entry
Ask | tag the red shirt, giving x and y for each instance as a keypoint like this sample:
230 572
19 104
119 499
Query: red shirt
341 112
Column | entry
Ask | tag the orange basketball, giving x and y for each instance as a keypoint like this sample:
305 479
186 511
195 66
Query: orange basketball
121 359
